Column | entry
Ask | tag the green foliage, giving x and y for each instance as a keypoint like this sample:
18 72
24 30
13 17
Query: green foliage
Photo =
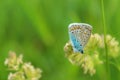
39 30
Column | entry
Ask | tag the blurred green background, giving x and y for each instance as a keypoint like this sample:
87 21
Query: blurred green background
39 30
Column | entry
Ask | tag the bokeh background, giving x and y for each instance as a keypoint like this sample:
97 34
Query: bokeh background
38 29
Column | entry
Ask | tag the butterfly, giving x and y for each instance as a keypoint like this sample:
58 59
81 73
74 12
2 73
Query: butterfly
79 34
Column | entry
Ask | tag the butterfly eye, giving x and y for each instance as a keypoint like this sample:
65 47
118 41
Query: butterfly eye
82 51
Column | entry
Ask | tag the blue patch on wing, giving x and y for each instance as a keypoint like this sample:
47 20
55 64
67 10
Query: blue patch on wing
77 47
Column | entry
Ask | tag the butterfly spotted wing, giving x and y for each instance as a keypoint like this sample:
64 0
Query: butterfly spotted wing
79 34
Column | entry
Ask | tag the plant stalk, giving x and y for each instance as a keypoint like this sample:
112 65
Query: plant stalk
106 50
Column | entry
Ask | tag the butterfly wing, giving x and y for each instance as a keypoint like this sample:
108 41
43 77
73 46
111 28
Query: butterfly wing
85 33
77 47
79 34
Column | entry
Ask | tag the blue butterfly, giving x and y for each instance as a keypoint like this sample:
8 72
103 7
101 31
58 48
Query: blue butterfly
79 34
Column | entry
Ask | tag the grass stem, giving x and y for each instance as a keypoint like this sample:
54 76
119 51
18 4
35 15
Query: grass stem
106 51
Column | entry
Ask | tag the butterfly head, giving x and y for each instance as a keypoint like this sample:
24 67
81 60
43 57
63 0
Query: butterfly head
78 49
82 51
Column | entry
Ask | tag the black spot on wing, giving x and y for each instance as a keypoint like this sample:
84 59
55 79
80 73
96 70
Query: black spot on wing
72 32
75 46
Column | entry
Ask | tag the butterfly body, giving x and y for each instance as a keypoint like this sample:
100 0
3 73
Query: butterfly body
79 34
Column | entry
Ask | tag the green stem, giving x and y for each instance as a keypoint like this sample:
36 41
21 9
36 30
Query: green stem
106 51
